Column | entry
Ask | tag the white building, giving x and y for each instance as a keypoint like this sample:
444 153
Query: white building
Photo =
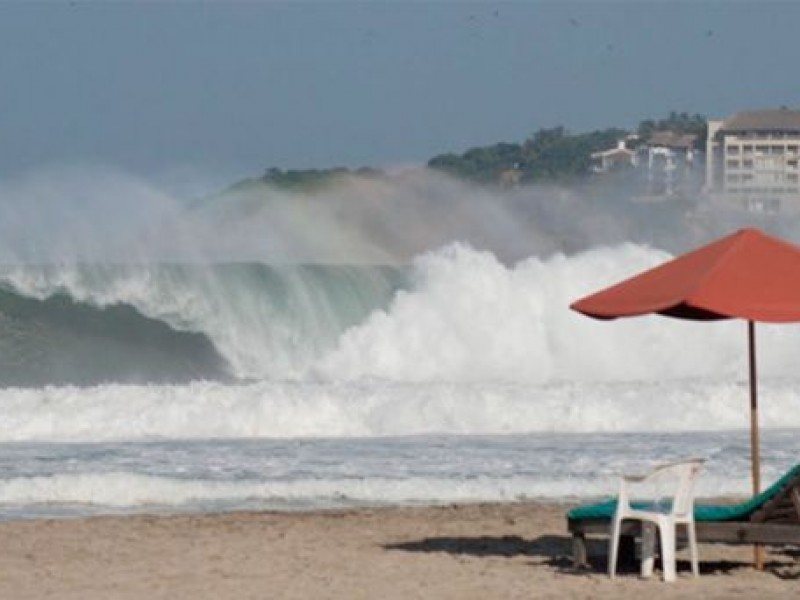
608 160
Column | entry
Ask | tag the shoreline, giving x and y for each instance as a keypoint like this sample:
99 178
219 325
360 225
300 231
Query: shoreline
496 550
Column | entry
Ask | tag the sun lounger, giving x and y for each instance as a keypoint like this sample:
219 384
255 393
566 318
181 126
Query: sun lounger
771 518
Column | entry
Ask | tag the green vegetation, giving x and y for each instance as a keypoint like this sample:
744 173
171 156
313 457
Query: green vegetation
305 179
677 123
551 155
308 180
555 155
480 164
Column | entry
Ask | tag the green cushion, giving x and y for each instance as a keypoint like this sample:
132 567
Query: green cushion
601 510
702 512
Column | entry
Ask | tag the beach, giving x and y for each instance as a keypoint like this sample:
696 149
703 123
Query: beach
503 550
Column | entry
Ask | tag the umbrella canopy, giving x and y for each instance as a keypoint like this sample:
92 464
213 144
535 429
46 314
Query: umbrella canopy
747 275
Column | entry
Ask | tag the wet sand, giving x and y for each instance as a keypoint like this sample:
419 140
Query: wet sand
473 551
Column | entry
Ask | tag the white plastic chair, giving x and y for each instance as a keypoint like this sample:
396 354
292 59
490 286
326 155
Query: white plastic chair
666 516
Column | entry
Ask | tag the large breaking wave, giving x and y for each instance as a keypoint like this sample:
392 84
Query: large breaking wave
87 324
456 315
456 343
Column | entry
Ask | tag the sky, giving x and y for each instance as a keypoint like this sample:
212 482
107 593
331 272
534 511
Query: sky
224 90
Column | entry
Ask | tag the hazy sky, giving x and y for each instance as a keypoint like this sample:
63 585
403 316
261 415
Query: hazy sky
228 89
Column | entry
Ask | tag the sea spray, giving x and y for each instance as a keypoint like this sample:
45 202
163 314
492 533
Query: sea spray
468 317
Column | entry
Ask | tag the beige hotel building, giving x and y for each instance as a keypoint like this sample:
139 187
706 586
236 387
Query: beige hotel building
752 160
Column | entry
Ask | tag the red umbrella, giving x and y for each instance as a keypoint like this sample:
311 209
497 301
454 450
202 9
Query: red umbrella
747 275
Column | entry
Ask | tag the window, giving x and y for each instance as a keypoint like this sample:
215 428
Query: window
732 163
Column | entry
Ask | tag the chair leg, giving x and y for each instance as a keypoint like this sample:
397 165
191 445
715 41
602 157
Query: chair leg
692 535
667 533
648 548
613 547
579 553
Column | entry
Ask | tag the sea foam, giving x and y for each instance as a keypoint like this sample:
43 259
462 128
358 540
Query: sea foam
378 409
64 479
467 317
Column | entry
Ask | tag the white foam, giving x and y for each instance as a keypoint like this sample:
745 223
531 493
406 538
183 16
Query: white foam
379 409
47 479
132 491
470 318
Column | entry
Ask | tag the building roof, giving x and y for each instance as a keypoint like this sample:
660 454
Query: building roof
670 139
621 152
781 119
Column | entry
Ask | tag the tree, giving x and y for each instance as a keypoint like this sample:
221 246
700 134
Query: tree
483 165
681 123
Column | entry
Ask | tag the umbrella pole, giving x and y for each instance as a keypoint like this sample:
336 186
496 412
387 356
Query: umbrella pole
755 452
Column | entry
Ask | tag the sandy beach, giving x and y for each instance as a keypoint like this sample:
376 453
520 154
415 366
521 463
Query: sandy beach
472 551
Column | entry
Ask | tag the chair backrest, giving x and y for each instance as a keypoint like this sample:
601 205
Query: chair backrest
685 474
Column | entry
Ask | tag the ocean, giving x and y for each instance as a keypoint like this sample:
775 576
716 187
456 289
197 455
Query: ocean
173 387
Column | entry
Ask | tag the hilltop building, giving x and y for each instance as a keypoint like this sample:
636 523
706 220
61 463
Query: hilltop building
664 164
752 160
615 158
670 159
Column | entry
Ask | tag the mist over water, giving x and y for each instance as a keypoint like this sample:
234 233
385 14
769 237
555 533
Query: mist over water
102 215
402 311
409 276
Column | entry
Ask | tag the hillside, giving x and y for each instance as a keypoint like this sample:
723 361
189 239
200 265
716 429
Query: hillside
551 155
